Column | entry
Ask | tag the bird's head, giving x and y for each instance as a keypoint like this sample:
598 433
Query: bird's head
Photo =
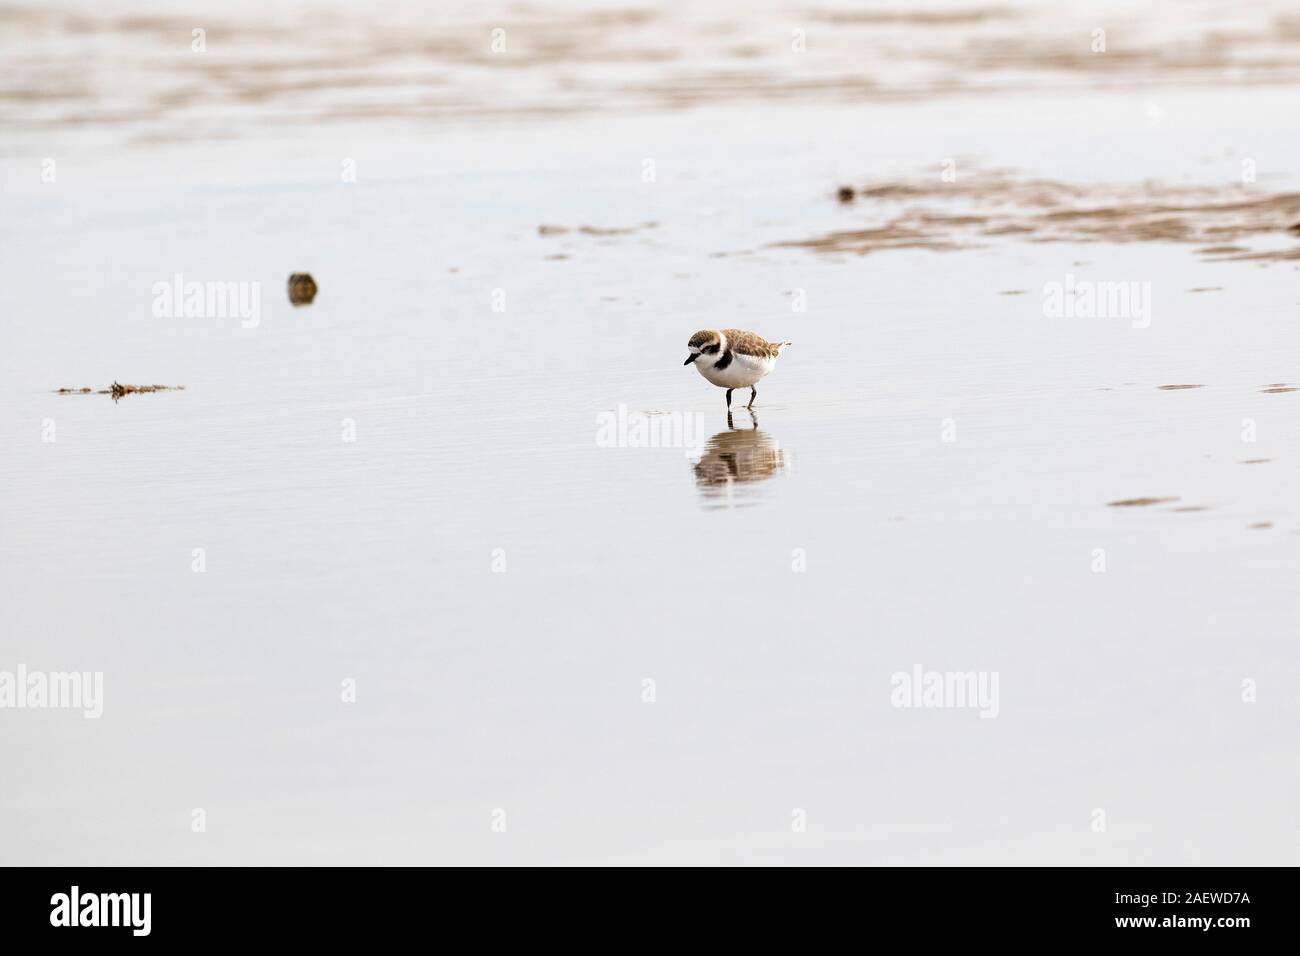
704 342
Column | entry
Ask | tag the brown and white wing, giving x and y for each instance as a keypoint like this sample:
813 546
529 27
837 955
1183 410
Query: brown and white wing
747 343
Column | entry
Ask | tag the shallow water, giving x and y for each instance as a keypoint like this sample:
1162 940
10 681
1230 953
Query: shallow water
406 484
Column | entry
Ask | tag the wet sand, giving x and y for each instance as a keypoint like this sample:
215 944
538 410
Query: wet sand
402 485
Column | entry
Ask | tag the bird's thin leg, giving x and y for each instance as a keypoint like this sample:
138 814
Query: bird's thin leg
731 422
753 394
729 391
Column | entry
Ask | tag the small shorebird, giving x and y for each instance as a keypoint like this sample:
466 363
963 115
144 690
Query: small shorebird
733 358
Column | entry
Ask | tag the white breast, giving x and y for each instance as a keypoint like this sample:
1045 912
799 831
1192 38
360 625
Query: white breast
743 371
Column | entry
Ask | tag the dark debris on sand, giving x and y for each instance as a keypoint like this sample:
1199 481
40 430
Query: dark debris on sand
302 288
117 390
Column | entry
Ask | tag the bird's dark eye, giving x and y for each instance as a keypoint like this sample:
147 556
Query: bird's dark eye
711 349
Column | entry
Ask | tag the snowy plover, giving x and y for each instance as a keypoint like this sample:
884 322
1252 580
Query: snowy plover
733 358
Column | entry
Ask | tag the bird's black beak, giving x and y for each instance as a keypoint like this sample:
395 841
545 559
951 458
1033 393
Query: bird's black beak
691 358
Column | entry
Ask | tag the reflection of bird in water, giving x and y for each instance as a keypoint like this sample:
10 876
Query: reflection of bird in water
737 456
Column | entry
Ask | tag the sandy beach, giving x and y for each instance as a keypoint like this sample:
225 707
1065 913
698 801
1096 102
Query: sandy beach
1040 420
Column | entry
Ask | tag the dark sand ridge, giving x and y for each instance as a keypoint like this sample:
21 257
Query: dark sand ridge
547 229
329 63
988 205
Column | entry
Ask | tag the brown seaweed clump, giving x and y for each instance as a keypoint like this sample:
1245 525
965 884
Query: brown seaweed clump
302 288
117 390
